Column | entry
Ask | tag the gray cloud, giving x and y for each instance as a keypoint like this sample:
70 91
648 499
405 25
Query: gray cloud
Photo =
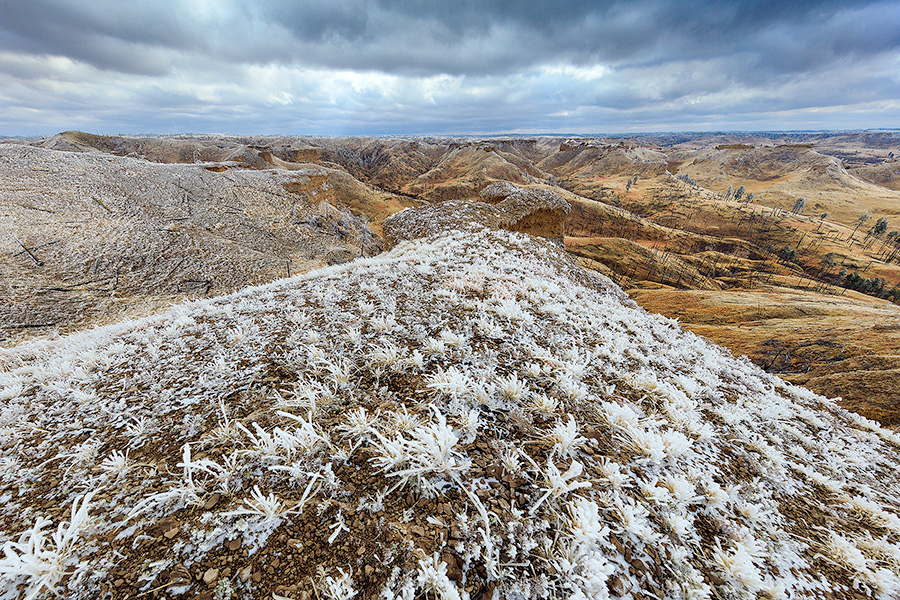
465 37
387 65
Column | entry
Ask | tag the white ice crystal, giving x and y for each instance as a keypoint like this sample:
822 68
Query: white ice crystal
565 438
41 561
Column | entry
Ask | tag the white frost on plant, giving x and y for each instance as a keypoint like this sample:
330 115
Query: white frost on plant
40 561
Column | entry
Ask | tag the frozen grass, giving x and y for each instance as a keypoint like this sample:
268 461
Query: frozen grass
40 561
551 439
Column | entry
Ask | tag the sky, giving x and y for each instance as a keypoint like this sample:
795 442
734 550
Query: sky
389 67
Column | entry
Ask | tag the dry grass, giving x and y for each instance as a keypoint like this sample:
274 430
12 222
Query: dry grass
839 345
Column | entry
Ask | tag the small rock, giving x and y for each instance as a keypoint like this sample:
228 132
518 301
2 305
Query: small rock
213 500
257 577
235 544
417 530
171 533
454 573
210 575
489 592
119 583
617 586
369 570
245 573
180 575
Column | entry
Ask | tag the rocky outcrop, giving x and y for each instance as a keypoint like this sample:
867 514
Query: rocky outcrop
535 211
498 191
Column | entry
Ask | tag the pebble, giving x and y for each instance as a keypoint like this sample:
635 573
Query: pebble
616 586
171 533
245 573
369 570
454 573
210 575
213 500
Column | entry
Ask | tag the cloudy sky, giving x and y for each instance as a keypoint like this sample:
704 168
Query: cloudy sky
342 67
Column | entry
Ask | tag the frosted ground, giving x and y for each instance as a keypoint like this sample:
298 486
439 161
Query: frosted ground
468 415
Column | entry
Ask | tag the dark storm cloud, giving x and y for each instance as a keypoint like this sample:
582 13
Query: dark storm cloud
112 35
471 37
465 37
370 64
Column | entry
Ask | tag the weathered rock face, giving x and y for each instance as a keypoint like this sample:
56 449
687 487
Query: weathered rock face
498 191
536 211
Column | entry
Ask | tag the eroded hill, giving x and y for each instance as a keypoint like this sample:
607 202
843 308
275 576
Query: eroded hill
690 225
88 237
468 415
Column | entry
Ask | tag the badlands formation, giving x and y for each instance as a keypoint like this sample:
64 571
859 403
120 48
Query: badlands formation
469 414
698 227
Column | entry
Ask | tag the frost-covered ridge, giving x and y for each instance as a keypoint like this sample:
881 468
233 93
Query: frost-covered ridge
468 415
